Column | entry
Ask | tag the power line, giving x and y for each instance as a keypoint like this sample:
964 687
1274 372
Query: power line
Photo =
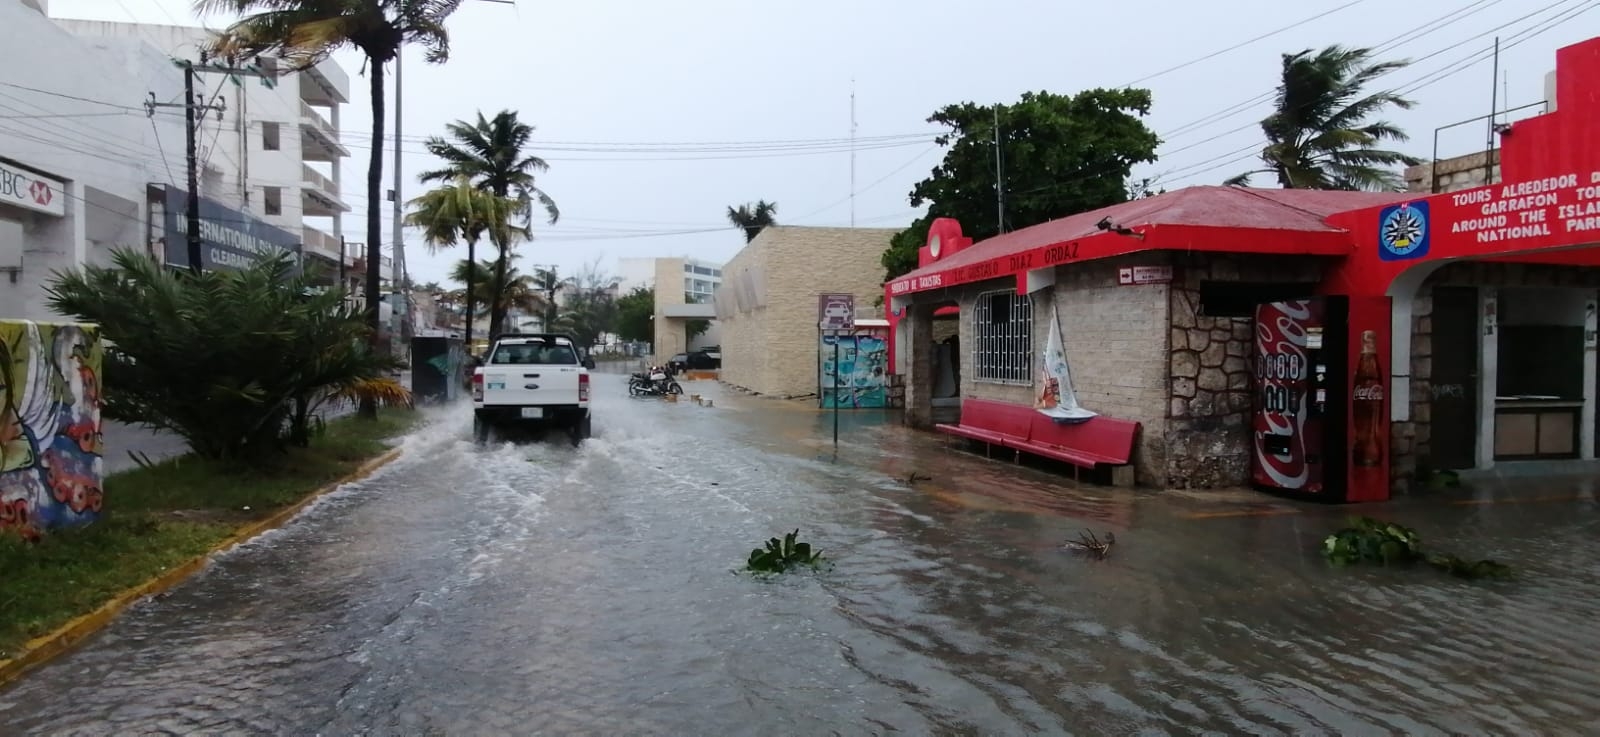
1243 44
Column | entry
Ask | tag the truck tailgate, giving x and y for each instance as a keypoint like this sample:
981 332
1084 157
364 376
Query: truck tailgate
530 385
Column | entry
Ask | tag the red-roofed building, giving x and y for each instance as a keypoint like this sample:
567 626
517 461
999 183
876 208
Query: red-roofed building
1483 303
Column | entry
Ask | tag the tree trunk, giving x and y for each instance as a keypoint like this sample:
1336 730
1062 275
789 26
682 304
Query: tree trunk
497 288
369 406
472 260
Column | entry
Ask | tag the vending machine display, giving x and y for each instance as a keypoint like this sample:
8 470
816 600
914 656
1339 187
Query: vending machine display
1320 425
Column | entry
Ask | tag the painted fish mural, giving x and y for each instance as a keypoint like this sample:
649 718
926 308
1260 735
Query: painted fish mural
51 469
863 372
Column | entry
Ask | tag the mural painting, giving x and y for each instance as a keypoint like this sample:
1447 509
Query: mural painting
50 447
863 378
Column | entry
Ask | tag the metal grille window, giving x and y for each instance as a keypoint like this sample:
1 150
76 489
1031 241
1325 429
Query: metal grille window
1002 338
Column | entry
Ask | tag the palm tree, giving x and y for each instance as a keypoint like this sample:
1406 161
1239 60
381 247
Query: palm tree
459 211
548 282
1320 136
753 218
519 291
490 153
304 32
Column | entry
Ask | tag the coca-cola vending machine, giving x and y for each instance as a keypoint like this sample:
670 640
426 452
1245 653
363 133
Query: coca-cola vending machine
1321 422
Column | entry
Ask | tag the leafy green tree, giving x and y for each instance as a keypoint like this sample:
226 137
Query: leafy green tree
304 32
635 315
1322 134
491 153
1060 155
753 218
227 360
696 328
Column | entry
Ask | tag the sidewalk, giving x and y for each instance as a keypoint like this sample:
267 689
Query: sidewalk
120 438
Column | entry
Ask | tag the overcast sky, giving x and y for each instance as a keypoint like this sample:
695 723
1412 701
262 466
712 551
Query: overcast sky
622 92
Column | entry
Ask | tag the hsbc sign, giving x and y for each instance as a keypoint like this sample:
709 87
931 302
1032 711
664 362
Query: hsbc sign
29 191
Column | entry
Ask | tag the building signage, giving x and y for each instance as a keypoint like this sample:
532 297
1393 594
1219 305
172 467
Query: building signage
1134 275
229 239
29 191
836 312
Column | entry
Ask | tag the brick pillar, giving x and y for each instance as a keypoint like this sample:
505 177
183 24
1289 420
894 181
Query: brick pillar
919 365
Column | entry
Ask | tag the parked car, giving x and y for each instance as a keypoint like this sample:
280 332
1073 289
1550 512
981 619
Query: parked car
694 360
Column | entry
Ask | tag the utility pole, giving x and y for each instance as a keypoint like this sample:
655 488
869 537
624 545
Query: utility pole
342 282
852 152
193 108
999 178
400 299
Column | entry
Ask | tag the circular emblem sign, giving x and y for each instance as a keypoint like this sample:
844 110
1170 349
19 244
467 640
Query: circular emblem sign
1403 231
933 246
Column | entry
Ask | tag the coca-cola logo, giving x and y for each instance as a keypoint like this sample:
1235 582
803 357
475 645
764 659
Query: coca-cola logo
1281 364
1372 393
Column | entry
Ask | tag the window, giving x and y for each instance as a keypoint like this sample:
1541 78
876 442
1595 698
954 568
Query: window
716 273
688 285
1002 338
272 200
702 286
269 136
688 268
534 353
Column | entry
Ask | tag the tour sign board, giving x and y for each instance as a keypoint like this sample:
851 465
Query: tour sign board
836 312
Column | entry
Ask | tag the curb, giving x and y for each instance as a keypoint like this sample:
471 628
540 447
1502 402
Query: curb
42 649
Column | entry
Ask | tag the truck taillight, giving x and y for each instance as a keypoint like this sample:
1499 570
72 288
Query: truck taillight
477 386
583 387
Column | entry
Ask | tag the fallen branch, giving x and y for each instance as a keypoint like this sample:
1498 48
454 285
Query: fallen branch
1087 541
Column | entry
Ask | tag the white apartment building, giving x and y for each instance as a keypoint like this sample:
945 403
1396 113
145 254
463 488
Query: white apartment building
77 151
675 308
275 153
700 278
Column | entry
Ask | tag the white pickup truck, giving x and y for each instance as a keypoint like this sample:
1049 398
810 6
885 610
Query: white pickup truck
532 381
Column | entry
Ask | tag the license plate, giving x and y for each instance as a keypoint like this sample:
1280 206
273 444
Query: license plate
494 385
532 413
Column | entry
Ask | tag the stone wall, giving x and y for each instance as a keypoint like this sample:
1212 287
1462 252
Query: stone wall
1208 433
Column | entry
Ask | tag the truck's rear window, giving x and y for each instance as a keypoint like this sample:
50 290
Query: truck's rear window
534 353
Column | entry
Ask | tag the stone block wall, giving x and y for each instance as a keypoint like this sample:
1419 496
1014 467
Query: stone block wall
772 348
1209 402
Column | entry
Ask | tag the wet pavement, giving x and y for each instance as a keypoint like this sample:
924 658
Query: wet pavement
549 590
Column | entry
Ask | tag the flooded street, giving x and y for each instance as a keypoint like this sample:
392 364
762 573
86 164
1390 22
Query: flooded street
543 589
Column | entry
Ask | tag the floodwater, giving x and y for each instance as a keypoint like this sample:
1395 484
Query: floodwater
543 589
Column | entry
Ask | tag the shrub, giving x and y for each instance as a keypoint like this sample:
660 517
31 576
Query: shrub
226 359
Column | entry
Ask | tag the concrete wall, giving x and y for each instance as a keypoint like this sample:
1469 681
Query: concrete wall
769 335
1461 172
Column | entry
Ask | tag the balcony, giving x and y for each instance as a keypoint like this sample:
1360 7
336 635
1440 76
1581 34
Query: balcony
319 140
322 244
325 83
319 196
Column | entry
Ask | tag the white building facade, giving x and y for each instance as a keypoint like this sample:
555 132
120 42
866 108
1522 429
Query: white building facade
92 143
275 153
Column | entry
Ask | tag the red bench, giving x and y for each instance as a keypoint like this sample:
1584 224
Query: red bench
1098 441
991 422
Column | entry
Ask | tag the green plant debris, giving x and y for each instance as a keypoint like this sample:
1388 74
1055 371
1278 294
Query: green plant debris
161 515
781 555
1368 540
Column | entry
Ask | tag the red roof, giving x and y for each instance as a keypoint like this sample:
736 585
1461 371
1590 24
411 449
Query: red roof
1298 210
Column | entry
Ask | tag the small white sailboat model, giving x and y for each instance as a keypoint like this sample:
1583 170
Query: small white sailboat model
1057 399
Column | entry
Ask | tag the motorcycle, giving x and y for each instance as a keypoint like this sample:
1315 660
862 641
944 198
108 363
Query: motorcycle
653 383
